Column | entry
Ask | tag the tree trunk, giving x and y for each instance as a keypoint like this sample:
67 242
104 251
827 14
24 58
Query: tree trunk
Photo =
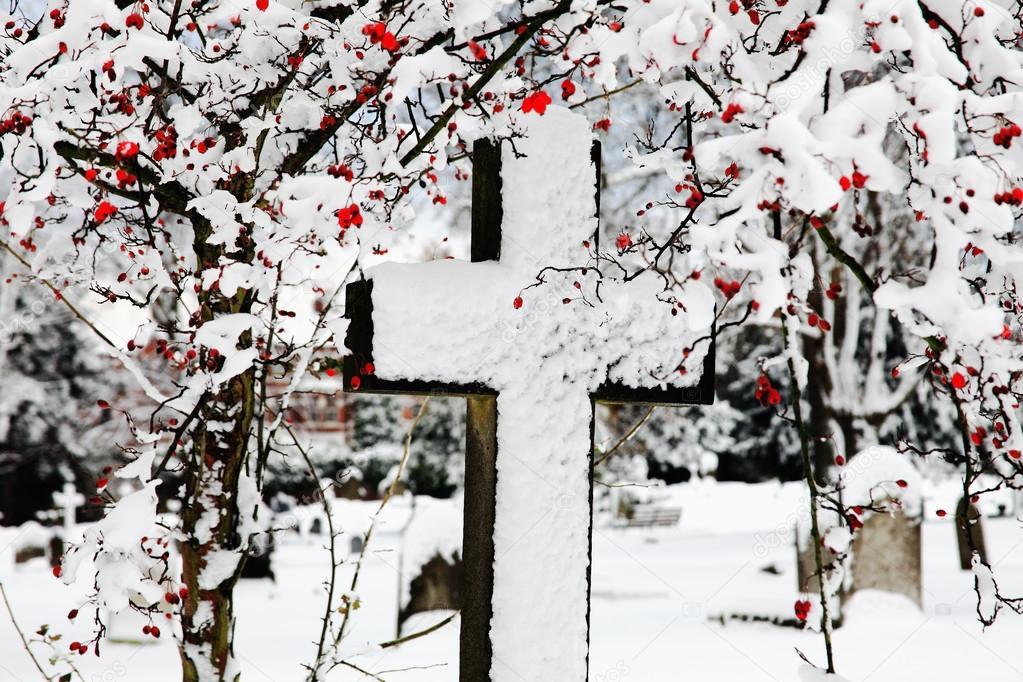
212 491
210 510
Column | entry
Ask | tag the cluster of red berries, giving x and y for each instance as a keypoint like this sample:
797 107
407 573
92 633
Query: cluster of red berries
16 123
166 143
340 171
57 16
104 211
204 145
802 609
728 288
125 179
349 217
151 630
800 33
365 92
623 241
378 34
834 289
766 394
536 102
857 180
603 124
815 320
174 598
728 115
1004 136
79 648
126 151
356 381
134 20
123 103
567 89
754 15
1013 197
695 196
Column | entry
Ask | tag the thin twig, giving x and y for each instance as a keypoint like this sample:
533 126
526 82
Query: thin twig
815 534
421 633
58 295
24 642
628 435
383 502
321 644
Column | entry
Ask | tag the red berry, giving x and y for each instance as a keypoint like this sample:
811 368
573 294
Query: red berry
901 483
517 303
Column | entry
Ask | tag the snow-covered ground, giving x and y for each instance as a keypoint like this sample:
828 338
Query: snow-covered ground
658 598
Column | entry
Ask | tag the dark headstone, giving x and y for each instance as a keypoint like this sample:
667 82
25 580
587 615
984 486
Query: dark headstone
260 563
437 587
28 553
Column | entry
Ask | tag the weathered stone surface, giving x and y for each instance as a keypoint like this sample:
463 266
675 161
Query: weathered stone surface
886 556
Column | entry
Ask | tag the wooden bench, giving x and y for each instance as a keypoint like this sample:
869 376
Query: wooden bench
649 516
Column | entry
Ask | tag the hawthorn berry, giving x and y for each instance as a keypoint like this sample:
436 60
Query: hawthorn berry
537 102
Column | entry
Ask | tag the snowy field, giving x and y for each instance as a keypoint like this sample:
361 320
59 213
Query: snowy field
658 600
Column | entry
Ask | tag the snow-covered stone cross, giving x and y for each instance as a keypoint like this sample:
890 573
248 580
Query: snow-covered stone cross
531 362
68 500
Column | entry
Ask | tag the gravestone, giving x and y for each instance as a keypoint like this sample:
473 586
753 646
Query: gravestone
886 556
68 500
438 586
259 563
968 527
31 542
531 363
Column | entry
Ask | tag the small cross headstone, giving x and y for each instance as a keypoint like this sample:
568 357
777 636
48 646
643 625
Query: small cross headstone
970 530
68 500
531 363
